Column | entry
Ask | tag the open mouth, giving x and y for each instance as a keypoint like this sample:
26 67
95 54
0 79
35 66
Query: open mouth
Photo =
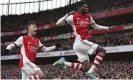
35 31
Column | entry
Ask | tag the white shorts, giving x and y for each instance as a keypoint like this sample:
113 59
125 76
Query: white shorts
84 47
29 70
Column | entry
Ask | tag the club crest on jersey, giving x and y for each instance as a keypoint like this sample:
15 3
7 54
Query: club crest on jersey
83 23
77 18
87 19
28 42
32 49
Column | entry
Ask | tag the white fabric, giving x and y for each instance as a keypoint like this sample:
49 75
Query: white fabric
75 65
82 49
18 42
50 48
28 70
69 64
69 19
99 57
80 66
24 75
99 27
96 26
61 21
46 49
97 62
92 69
10 46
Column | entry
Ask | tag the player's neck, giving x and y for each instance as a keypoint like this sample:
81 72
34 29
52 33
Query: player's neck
29 34
80 12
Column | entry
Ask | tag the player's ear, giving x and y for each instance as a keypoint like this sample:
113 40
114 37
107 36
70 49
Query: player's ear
26 28
28 25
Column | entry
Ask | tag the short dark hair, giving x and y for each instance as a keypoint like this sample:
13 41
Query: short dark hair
31 22
79 4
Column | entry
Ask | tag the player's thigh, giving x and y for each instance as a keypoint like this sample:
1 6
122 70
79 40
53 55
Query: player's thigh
40 74
90 46
30 68
79 46
37 70
24 75
27 70
82 56
84 46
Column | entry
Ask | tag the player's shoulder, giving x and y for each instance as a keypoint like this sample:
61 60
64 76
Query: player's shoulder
26 36
36 39
89 15
21 37
76 14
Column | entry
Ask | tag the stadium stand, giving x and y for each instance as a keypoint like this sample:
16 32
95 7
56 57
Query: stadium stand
13 22
122 68
109 69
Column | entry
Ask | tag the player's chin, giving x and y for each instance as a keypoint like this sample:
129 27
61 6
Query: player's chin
34 33
86 11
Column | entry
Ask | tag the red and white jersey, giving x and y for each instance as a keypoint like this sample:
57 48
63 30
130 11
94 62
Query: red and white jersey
80 24
29 48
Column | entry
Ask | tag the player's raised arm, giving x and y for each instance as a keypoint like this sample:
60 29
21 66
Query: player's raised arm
100 27
17 43
47 49
65 19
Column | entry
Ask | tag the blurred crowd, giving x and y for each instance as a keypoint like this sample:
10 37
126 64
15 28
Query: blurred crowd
106 70
18 22
115 6
115 39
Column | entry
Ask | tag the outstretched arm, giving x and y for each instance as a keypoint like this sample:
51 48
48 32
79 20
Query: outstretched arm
96 26
99 27
47 49
17 43
64 20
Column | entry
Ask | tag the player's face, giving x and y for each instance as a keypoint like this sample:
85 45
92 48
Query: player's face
32 29
84 9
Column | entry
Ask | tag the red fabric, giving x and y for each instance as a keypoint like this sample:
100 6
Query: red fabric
100 54
81 23
30 49
98 60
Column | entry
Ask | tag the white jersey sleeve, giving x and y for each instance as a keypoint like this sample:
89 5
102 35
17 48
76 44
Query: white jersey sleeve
96 26
69 19
46 49
17 43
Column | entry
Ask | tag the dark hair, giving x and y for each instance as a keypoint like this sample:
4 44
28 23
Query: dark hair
79 4
31 22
